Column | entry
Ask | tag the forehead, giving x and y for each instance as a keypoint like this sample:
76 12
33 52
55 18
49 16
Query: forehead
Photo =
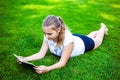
48 29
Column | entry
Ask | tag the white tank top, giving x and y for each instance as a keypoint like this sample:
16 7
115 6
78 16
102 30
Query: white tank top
78 48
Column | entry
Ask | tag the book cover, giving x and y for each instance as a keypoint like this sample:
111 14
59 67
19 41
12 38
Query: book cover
26 64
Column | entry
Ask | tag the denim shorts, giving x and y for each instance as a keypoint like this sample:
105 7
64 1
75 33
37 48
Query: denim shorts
88 42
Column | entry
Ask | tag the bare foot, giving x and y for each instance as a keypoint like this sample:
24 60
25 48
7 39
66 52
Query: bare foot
106 29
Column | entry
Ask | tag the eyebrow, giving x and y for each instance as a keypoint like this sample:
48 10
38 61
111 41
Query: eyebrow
47 33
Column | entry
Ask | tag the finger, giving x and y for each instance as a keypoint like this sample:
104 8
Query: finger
21 57
41 66
39 72
37 69
36 66
19 62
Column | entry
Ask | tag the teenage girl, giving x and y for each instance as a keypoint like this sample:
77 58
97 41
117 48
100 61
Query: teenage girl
63 43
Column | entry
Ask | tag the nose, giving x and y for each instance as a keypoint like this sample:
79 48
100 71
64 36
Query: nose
47 36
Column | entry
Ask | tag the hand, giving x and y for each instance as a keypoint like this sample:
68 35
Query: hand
22 58
41 69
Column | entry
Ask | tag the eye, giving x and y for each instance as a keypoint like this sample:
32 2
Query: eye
49 33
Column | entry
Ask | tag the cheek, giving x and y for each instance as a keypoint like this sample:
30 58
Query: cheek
57 34
54 35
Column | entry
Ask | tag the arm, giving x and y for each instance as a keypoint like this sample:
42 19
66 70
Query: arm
62 62
40 54
64 58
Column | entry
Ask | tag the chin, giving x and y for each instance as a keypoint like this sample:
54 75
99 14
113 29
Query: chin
50 39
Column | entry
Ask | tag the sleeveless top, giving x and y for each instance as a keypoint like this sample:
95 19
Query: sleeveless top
78 48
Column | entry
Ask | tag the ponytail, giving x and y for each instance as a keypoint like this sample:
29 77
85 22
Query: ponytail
62 32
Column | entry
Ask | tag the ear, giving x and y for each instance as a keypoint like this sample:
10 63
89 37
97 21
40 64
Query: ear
58 29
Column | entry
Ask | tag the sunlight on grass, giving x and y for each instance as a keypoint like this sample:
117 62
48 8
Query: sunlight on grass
54 1
108 16
115 5
34 16
37 7
95 2
92 1
83 6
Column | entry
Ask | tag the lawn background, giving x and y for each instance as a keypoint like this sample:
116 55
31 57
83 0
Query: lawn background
21 33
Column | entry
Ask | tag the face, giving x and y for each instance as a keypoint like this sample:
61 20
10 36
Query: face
50 33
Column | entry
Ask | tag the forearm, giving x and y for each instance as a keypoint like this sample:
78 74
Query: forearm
57 65
33 57
40 54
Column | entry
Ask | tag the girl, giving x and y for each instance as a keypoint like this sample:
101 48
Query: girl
62 43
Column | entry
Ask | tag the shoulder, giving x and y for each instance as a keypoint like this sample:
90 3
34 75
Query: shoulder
68 37
68 33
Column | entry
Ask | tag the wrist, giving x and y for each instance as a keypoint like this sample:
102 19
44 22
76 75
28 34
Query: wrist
48 69
25 59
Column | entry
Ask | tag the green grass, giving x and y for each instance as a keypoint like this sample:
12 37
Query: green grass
21 33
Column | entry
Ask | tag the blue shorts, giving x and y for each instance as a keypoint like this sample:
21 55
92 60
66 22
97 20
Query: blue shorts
88 42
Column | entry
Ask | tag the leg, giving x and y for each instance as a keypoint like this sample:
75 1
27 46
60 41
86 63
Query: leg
92 34
100 35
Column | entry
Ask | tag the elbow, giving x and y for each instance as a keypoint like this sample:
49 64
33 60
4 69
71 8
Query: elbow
42 57
62 64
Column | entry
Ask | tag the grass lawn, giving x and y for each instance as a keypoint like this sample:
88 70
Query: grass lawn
21 33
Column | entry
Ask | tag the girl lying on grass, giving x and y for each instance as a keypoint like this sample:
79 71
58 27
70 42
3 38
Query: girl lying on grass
63 43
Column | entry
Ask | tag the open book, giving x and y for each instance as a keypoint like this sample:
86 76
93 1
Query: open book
27 64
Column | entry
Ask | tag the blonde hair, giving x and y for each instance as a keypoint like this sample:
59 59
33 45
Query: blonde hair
58 23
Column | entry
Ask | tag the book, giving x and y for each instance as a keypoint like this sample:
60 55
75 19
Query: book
26 64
